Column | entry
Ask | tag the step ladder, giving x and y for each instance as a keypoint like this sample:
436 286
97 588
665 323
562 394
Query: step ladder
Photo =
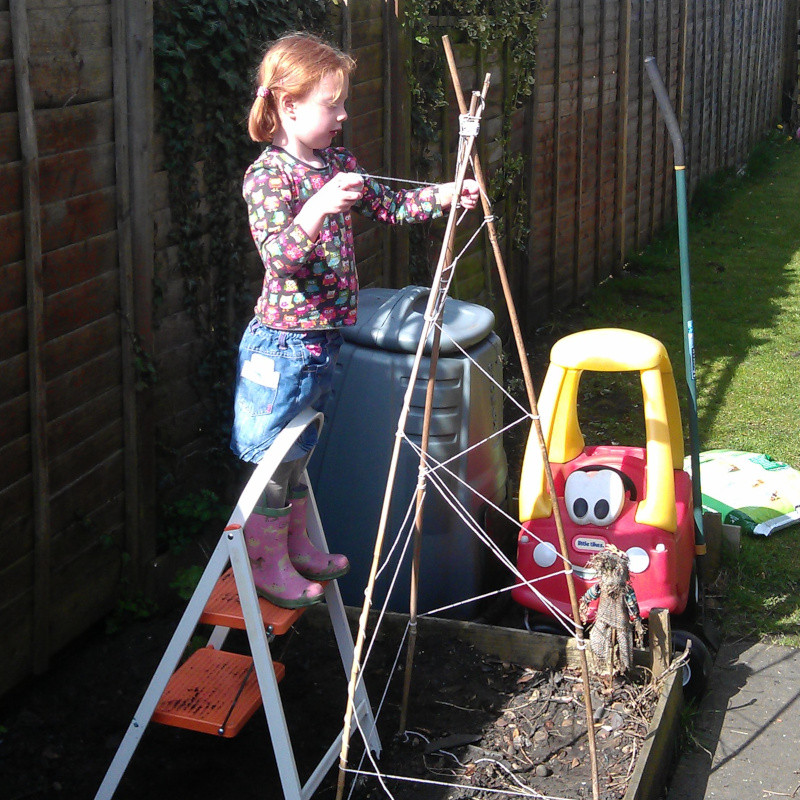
233 686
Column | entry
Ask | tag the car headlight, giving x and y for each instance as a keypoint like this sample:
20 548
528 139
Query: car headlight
544 554
638 559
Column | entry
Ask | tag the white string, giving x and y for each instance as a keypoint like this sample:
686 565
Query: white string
450 496
470 522
367 750
474 235
494 762
566 619
527 414
406 518
360 677
526 791
383 178
387 178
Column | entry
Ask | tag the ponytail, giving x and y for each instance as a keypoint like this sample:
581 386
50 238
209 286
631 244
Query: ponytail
263 120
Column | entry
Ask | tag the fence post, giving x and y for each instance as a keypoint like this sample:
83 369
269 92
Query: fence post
36 337
581 138
347 47
397 128
140 542
624 72
790 57
126 293
556 181
601 142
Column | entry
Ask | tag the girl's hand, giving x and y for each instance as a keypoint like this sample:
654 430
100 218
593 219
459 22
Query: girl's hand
335 197
340 192
470 194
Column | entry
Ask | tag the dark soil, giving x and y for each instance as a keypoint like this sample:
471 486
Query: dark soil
472 720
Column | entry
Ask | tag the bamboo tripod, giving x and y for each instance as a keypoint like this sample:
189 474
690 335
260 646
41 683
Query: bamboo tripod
433 316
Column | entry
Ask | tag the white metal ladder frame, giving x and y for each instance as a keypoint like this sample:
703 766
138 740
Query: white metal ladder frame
231 548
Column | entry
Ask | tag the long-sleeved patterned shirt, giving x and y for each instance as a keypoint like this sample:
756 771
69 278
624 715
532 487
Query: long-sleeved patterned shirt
312 285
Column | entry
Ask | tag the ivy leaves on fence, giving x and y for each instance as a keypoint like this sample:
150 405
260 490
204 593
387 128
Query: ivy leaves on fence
507 27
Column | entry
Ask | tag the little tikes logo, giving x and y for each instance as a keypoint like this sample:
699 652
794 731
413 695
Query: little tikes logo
588 544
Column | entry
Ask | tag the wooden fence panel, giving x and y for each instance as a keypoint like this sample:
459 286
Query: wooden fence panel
722 64
73 172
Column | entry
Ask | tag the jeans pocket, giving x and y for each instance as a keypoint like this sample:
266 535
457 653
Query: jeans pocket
256 384
321 351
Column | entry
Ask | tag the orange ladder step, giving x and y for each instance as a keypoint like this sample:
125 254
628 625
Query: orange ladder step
223 608
214 692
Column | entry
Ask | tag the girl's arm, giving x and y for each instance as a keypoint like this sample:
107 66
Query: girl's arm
282 244
285 240
336 196
382 204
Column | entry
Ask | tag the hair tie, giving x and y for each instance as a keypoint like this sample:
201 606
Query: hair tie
262 91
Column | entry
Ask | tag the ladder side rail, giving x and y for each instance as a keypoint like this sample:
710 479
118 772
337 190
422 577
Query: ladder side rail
231 548
218 636
166 667
248 598
339 622
256 483
265 673
191 616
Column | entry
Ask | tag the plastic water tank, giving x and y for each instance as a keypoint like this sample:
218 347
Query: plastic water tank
350 465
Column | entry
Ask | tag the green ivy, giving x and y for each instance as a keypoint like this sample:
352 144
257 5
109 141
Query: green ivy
186 581
187 518
206 54
505 26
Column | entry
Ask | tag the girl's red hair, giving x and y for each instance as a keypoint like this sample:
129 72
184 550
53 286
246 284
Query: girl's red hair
293 65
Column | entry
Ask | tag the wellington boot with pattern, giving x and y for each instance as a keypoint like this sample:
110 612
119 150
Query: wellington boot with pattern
306 559
266 535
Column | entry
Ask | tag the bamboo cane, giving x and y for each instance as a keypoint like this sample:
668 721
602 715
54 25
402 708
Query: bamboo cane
523 358
368 592
447 251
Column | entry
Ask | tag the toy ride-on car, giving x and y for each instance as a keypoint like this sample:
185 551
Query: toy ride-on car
638 499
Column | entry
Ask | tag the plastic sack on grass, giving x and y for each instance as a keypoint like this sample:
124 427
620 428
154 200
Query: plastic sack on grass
751 490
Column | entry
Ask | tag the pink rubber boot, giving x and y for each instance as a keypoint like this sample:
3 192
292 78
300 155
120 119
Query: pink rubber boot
306 559
266 533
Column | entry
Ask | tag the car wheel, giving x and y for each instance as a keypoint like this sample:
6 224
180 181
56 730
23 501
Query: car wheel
540 623
697 670
695 601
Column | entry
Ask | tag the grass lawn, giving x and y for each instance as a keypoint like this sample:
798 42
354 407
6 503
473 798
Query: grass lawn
744 237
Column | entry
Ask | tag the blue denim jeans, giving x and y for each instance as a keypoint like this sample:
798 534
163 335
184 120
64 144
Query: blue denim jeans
280 373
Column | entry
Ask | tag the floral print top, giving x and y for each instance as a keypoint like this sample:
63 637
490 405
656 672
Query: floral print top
312 285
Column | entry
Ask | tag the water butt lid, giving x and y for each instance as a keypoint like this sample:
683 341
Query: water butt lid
393 319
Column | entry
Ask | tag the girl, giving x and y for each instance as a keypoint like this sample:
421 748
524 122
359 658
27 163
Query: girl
299 194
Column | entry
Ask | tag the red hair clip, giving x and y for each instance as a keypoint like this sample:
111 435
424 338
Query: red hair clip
262 91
